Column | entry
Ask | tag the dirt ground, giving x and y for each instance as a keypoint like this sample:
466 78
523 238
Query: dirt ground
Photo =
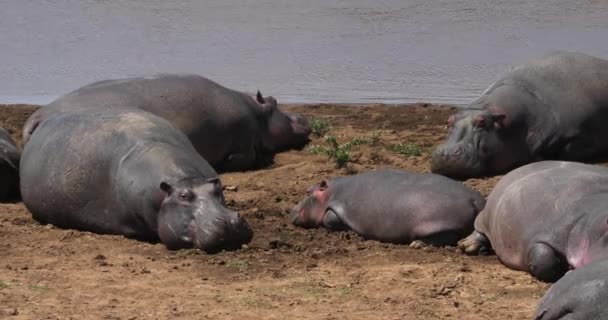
286 272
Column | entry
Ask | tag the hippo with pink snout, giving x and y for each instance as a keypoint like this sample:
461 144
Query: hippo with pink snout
392 206
545 218
232 130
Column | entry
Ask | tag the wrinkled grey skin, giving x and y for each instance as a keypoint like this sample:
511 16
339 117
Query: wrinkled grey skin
552 108
232 130
129 172
392 206
9 167
545 218
580 295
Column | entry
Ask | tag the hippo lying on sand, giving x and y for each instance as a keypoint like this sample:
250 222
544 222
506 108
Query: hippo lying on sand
230 129
544 218
553 108
129 172
9 167
580 295
392 206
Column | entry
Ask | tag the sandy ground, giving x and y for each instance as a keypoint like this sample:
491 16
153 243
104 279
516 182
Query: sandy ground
286 272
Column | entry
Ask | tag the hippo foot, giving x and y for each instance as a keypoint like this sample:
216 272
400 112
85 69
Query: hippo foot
417 244
545 263
475 244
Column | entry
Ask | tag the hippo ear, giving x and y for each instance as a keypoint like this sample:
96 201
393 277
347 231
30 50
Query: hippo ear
500 120
166 187
259 98
479 121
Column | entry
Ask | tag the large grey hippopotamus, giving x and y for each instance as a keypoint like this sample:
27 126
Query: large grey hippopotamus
580 295
129 172
9 167
230 129
545 218
392 206
552 108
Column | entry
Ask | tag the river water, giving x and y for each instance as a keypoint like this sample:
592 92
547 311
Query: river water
395 51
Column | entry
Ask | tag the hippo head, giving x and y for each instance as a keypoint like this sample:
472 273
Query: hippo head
480 143
310 212
284 130
193 214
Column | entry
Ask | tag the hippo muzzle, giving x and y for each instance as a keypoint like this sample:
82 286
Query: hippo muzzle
300 125
456 161
228 232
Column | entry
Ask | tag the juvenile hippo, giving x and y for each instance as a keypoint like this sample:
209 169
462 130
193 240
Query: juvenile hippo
545 218
230 129
580 295
552 108
9 167
129 172
392 206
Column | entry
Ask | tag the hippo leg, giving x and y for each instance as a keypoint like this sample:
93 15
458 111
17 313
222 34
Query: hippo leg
332 221
476 243
545 263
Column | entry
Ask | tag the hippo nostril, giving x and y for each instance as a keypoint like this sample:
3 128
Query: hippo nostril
456 152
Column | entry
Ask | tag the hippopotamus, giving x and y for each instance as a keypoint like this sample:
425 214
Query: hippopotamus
553 108
232 130
392 206
545 218
9 166
127 172
580 295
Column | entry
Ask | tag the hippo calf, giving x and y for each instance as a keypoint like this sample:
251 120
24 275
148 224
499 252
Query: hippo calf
230 129
9 167
129 172
545 218
580 295
552 108
392 206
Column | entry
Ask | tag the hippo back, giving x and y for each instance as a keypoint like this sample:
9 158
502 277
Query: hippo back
581 294
535 201
423 200
196 105
73 169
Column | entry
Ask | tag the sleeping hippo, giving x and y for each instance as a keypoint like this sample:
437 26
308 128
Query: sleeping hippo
128 172
545 218
392 206
580 295
552 108
9 167
232 130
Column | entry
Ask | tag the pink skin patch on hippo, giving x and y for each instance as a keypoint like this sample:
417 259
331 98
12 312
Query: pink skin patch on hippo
578 255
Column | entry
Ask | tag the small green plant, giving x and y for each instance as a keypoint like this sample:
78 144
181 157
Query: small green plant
319 127
374 140
408 149
339 152
3 285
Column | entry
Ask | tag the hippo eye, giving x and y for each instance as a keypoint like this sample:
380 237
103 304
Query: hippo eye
185 195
